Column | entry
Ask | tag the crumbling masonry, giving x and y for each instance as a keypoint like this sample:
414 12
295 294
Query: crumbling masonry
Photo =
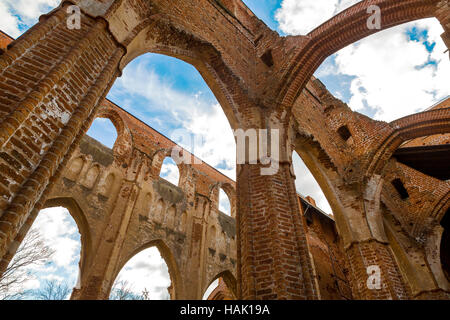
390 206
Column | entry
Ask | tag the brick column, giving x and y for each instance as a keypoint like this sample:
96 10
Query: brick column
366 245
52 78
361 256
273 257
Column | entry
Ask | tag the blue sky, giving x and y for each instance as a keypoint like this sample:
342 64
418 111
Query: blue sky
265 10
386 76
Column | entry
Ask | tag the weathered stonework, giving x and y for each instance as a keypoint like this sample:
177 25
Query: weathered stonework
53 82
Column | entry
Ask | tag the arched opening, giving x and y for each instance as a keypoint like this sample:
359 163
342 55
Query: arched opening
136 272
47 263
407 71
169 171
144 277
307 186
104 131
174 95
222 287
224 202
445 245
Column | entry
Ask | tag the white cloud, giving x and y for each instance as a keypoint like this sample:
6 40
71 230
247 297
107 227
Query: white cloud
59 232
17 13
141 79
217 146
392 74
301 17
8 22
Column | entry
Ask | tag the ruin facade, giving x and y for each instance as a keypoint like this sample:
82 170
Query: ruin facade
390 208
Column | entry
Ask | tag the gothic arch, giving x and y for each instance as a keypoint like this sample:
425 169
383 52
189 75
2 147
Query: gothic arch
228 278
230 191
166 253
410 127
158 159
80 219
343 29
327 180
124 138
190 48
86 254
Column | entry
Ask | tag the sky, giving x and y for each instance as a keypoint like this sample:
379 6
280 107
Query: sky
388 75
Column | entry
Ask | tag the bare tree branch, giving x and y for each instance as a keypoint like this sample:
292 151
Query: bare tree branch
31 253
122 290
53 290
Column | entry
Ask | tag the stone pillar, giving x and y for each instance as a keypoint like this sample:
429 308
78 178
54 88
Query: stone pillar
273 255
52 79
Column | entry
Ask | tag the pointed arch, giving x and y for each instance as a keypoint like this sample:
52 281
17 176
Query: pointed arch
84 228
307 184
228 278
229 191
177 288
91 177
351 26
204 57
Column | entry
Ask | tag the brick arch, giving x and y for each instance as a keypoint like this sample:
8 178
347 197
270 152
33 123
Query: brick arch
229 279
157 161
230 191
113 115
192 49
77 214
166 253
124 142
342 30
417 125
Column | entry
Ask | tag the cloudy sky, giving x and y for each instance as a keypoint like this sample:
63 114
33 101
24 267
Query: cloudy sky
385 76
